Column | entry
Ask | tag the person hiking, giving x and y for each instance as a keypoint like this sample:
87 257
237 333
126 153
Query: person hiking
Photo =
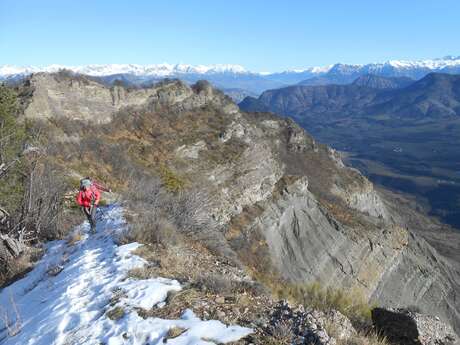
88 198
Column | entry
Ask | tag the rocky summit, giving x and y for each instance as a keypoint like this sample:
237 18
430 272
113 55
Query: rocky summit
285 207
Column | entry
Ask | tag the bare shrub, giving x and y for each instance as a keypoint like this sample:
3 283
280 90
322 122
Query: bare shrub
151 223
190 211
154 229
43 204
36 218
165 217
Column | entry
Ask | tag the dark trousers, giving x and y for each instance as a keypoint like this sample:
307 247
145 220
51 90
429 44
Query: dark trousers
90 213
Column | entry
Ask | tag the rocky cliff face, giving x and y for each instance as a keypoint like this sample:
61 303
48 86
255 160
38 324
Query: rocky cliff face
288 207
78 98
56 95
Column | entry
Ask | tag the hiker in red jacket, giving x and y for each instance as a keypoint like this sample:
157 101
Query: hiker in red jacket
88 198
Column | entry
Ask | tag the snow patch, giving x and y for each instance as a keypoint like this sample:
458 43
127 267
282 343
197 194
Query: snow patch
71 307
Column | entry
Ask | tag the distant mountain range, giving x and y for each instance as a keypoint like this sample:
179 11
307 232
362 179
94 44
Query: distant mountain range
237 77
406 137
435 95
345 74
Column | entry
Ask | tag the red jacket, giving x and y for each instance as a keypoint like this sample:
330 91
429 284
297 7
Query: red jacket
84 197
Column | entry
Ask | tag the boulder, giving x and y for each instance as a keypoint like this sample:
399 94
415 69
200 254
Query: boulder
410 328
342 324
308 326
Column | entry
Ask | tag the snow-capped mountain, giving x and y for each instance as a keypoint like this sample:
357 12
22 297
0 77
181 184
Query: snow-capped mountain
222 76
345 73
158 70
235 76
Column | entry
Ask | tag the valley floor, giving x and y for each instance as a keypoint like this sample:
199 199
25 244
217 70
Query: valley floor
80 293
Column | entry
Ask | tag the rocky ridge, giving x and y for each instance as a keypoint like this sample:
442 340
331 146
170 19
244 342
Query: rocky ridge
288 206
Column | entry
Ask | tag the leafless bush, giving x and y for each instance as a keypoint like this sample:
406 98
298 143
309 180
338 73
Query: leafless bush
186 211
42 205
35 219
154 229
165 217
144 190
30 189
190 210
151 222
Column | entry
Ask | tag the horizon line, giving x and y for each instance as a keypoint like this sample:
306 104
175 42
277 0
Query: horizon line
229 66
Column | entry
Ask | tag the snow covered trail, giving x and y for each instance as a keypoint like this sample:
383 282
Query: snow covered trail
69 307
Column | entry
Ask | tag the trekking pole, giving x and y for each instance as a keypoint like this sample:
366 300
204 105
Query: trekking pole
101 211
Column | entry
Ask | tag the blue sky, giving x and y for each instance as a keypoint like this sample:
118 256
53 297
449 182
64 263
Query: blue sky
260 35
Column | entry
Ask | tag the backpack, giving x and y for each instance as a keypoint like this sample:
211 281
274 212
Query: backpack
94 184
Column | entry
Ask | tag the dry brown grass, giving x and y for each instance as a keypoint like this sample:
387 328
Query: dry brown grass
74 238
350 303
360 338
147 251
171 180
149 228
115 313
365 339
20 266
282 334
175 332
141 273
